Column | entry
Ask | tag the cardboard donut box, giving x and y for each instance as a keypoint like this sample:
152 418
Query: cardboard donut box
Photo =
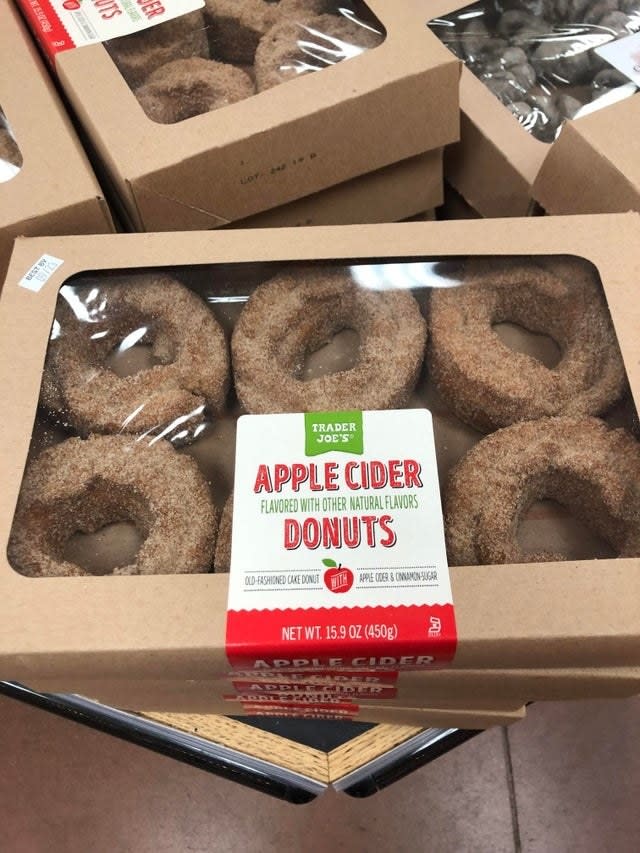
54 191
594 165
544 630
495 164
400 191
277 147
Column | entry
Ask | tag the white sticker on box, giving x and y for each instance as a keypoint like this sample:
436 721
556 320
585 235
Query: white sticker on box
338 554
624 54
40 273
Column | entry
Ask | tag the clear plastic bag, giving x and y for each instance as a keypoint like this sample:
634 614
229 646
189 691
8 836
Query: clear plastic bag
539 57
234 49
10 156
132 456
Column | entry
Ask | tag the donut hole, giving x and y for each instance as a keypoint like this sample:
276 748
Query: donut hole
138 351
535 344
103 528
339 353
548 526
109 548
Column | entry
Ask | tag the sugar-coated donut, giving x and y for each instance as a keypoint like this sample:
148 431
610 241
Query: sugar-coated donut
236 26
189 87
488 385
139 54
297 45
579 462
222 558
81 485
297 312
192 376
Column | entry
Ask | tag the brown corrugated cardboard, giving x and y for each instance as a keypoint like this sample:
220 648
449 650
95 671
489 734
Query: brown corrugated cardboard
576 613
594 166
280 145
55 191
388 195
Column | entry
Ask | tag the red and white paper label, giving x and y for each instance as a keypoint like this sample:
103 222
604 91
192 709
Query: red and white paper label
63 24
282 690
338 556
386 677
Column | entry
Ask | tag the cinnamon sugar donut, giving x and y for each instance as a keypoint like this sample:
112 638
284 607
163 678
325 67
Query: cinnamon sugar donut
578 462
488 385
298 45
222 559
297 312
236 26
82 485
192 376
139 54
190 87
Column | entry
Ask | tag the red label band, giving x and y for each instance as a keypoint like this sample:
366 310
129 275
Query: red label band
310 696
298 715
342 709
402 637
319 676
301 688
46 27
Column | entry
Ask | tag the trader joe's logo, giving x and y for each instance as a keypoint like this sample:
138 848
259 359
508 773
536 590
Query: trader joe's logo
327 431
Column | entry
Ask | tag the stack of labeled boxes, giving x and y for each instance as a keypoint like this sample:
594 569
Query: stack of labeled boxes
129 358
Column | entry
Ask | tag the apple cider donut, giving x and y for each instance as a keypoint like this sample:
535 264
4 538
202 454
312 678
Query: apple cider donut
82 485
222 559
185 337
488 385
579 462
190 87
295 314
139 54
297 45
236 26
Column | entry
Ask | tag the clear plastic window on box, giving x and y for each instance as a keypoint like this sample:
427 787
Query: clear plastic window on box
10 156
131 463
234 49
540 57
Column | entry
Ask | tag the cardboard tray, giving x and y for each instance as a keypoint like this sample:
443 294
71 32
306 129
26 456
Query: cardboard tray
576 613
55 191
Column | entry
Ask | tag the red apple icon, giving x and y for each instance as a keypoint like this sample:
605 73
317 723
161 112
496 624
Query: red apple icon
337 578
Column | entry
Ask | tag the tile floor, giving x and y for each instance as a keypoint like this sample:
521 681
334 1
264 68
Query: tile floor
565 780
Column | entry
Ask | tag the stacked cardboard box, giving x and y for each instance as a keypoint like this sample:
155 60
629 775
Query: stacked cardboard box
281 156
360 142
535 87
544 630
594 166
46 183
